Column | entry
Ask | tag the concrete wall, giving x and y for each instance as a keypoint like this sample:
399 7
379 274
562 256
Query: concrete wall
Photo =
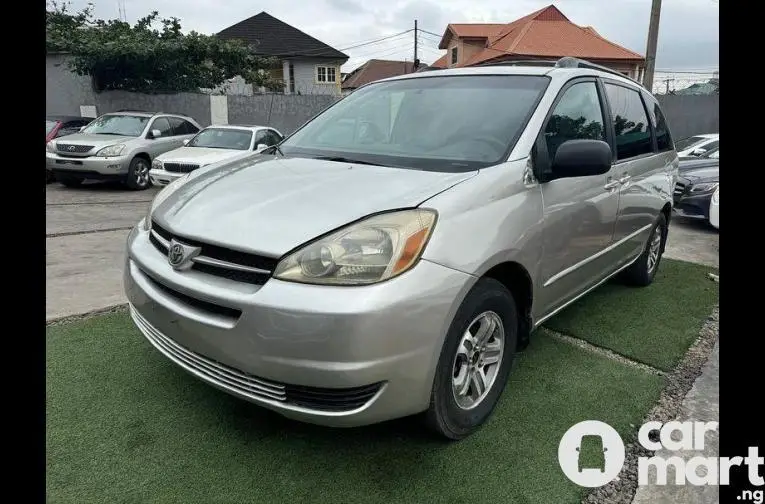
691 115
284 112
191 104
65 92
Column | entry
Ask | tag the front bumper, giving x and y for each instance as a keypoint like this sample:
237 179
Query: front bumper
89 167
694 206
162 177
362 354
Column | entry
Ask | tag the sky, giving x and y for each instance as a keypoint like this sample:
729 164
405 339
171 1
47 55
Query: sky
688 31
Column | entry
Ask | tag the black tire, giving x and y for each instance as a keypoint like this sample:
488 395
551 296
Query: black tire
49 177
642 272
138 174
70 181
444 415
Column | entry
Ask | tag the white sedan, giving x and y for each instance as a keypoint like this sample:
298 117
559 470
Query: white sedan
212 145
714 209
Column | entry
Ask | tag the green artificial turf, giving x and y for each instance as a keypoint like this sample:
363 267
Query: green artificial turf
124 424
655 324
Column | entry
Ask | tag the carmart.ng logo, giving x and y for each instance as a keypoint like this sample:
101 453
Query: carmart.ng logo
591 454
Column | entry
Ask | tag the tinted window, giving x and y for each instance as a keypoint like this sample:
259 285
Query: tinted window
578 115
163 125
631 128
444 123
181 127
272 138
260 138
124 125
710 146
663 138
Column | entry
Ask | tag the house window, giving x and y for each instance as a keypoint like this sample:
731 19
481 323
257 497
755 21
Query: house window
326 74
454 55
292 78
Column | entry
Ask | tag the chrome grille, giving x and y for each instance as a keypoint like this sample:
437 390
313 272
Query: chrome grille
72 148
219 261
253 387
179 167
209 369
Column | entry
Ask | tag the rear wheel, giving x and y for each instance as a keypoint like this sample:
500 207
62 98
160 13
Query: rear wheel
475 361
138 174
642 272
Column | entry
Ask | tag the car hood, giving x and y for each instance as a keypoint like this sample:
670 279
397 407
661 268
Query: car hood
690 164
202 155
271 205
99 141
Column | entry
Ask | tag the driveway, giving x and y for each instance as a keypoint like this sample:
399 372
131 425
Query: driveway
86 230
85 233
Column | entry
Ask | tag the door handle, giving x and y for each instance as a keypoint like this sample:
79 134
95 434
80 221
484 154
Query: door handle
624 179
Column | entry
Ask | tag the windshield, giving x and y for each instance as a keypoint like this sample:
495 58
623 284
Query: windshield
123 125
454 123
687 143
49 125
715 154
222 138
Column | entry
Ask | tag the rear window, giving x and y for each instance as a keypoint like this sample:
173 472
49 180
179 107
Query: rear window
687 143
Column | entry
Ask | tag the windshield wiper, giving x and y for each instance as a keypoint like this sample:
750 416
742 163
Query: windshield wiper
275 149
341 159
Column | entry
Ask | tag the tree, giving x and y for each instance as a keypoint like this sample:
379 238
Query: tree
151 56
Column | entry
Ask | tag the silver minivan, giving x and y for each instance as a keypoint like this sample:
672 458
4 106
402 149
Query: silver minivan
391 256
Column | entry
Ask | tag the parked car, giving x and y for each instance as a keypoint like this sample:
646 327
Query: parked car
592 453
213 144
352 275
697 182
697 145
57 126
118 146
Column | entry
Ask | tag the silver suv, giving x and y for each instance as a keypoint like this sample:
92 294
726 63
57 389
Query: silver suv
391 256
118 146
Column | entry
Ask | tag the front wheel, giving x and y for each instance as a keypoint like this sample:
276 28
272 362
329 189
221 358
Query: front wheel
138 174
642 272
475 361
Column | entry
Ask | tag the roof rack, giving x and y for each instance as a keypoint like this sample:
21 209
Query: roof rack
564 62
570 62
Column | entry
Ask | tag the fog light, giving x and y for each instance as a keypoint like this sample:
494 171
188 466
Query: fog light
114 167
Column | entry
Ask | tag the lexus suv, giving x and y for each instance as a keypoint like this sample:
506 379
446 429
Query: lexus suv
391 256
118 146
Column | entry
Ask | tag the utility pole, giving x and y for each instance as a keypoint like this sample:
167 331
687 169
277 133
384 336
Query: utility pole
416 61
650 52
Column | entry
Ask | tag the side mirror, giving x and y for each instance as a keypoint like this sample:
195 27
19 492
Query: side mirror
186 141
698 151
155 133
581 158
83 127
261 147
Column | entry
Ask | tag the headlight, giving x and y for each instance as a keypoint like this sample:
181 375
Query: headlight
156 164
708 187
366 252
51 146
160 197
716 196
112 150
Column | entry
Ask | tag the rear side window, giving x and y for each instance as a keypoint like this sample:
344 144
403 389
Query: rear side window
663 138
577 116
631 129
163 125
182 127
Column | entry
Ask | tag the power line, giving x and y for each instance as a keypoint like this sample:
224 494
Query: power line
357 45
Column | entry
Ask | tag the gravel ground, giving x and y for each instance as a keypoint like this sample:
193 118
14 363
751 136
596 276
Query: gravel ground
679 382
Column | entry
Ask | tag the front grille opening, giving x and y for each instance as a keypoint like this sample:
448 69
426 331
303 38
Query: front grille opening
79 149
205 306
331 399
179 167
222 254
231 274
